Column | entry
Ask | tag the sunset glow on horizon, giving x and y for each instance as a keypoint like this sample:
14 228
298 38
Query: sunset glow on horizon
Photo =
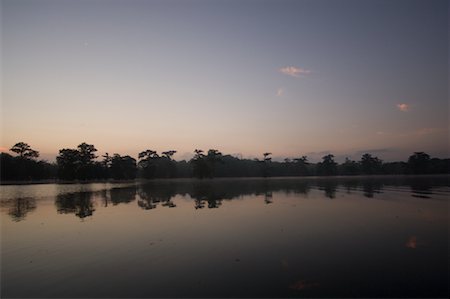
245 77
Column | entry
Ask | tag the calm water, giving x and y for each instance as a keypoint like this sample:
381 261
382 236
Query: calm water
353 237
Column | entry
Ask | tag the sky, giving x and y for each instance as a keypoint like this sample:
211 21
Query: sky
245 77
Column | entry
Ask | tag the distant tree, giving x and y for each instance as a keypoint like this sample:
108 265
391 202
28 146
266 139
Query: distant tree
123 167
167 166
302 165
328 166
395 168
419 163
23 150
201 168
349 167
266 164
87 156
148 163
87 153
107 159
106 165
69 163
168 154
213 157
370 165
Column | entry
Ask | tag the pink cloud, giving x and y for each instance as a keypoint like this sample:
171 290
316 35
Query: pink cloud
403 107
294 71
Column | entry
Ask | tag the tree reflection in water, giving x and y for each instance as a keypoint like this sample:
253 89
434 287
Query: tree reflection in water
151 194
19 208
80 204
213 193
122 195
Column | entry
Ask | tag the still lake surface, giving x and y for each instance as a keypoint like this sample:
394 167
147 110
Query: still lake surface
286 237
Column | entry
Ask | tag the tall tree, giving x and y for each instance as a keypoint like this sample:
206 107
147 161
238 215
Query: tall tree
302 165
147 163
23 150
69 163
200 164
370 164
419 163
213 157
328 166
123 167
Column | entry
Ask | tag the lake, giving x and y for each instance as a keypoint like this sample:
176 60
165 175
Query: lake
277 237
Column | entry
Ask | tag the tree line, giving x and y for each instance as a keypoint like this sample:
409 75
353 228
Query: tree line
83 164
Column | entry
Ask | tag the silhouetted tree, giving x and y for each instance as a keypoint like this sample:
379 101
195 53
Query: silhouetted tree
86 156
370 165
302 165
266 164
106 163
69 163
147 163
328 166
123 167
213 157
23 150
168 165
200 165
78 163
349 167
419 163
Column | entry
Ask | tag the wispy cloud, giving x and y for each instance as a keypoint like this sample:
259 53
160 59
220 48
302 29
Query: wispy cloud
280 92
423 132
403 107
426 131
294 71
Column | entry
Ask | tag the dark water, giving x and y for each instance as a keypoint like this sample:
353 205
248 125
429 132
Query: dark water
347 237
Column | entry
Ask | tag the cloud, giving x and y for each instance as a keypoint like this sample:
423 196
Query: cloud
423 132
426 131
294 71
280 92
403 107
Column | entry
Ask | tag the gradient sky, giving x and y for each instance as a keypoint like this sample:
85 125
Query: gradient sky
245 77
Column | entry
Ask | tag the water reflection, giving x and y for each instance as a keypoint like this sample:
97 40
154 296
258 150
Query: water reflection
123 195
150 195
329 187
213 193
263 237
19 208
80 204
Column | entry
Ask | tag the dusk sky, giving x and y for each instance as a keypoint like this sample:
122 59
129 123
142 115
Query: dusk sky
245 77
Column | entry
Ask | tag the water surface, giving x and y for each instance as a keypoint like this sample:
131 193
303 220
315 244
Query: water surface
313 237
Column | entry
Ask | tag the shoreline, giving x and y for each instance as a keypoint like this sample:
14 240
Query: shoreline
139 180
